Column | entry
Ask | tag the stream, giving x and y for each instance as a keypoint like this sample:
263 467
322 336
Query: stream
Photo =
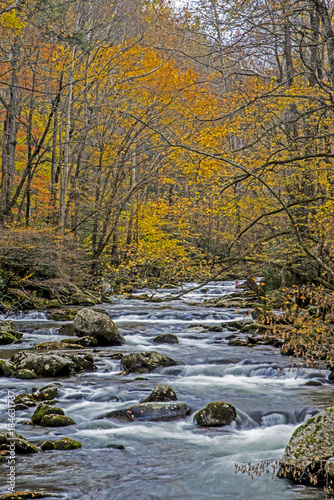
168 460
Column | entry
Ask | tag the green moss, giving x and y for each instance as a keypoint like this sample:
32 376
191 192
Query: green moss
52 420
43 410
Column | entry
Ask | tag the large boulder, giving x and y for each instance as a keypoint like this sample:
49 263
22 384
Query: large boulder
145 362
47 365
216 414
308 458
51 364
98 325
161 412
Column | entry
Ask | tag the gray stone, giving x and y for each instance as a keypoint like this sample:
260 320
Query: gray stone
98 325
216 414
310 447
161 412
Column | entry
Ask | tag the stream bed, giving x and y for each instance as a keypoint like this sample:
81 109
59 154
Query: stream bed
168 460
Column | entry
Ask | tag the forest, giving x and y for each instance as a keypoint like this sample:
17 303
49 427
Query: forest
144 141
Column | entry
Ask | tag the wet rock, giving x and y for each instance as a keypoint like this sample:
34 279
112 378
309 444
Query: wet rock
47 365
310 447
22 446
51 364
145 362
82 341
25 374
47 393
24 401
7 368
67 444
47 445
216 414
161 393
52 420
254 328
8 333
161 412
43 410
83 363
167 338
98 325
239 342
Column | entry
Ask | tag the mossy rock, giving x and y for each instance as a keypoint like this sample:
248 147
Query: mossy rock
67 444
161 393
25 374
82 342
62 444
52 420
145 362
22 446
53 303
56 345
254 328
7 327
311 445
47 445
216 414
24 401
7 368
43 410
66 314
47 393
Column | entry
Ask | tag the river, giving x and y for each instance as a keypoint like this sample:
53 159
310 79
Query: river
168 460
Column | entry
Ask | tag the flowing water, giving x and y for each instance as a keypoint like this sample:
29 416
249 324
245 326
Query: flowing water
169 460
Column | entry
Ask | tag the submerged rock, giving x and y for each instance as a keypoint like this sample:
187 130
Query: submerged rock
308 458
22 446
216 414
145 362
62 444
166 338
67 444
160 394
98 325
162 412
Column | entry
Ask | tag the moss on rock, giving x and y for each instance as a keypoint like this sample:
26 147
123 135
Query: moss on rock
216 414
